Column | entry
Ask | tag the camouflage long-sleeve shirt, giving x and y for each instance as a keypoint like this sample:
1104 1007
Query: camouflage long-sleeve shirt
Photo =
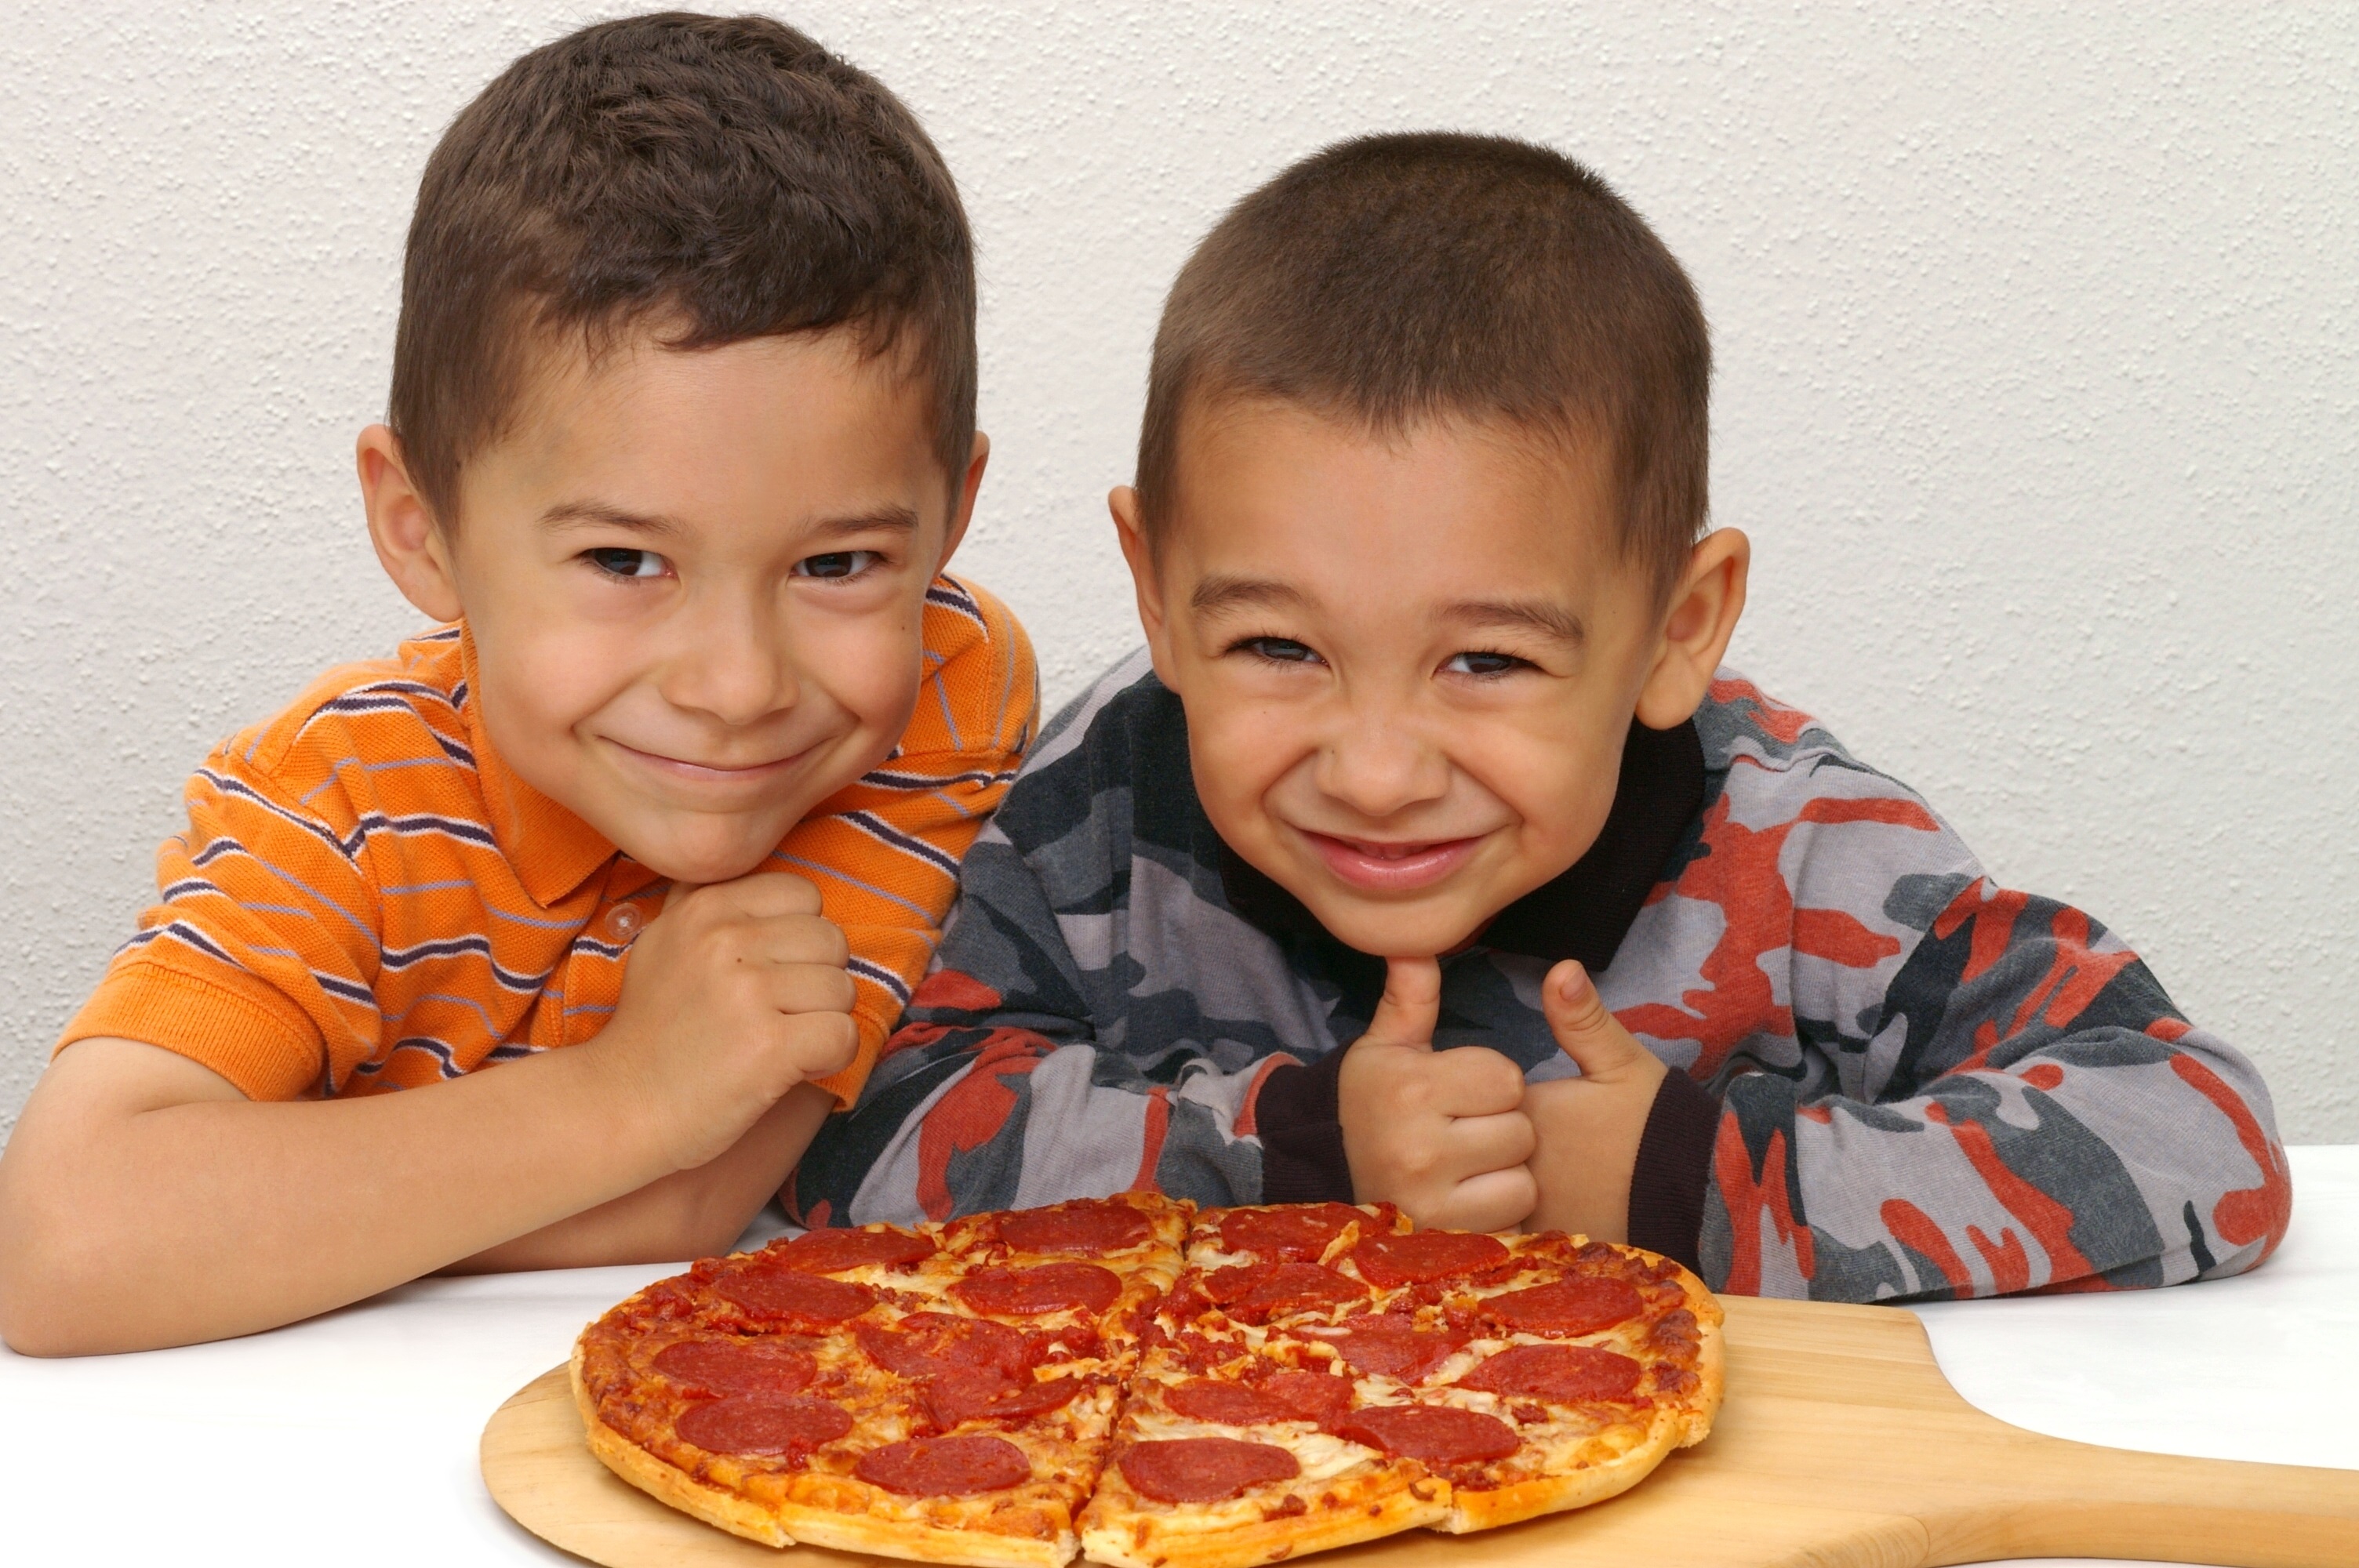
1891 1079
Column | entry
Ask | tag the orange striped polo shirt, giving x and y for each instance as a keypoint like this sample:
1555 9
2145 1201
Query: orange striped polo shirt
367 899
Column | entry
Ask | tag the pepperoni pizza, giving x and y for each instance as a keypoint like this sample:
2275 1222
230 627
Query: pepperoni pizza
1102 1376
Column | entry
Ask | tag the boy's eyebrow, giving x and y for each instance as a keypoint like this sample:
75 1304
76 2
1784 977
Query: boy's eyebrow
1219 592
1526 614
571 514
900 519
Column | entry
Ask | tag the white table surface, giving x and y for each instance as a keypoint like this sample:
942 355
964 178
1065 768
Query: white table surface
368 1417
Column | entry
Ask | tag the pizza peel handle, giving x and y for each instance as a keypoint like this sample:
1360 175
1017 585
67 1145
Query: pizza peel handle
2105 1502
1843 1409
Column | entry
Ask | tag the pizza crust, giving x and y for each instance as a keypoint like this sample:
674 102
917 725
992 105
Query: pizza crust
1712 1361
1118 1529
810 1526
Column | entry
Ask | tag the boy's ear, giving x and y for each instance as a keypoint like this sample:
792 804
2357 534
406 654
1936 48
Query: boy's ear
410 547
963 503
1696 629
1123 502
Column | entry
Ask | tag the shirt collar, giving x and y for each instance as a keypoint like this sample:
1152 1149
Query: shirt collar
1584 912
553 851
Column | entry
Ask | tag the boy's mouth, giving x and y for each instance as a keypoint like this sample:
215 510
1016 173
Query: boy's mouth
1381 866
711 773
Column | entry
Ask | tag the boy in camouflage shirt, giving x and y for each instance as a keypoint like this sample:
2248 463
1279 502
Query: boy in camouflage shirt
1428 854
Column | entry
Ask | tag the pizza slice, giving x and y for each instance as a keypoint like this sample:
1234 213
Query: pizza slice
1226 1450
1533 1373
1324 1374
944 1393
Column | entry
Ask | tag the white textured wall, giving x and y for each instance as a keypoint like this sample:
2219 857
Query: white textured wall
2039 332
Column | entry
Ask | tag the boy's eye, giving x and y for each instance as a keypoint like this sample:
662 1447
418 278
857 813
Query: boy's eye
618 562
837 564
1280 650
1476 664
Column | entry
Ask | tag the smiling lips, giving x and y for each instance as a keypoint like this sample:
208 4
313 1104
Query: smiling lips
707 772
1391 868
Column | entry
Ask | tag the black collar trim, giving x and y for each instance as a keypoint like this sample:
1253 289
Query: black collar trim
1582 913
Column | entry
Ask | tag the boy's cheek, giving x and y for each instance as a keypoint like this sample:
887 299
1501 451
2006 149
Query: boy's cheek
870 666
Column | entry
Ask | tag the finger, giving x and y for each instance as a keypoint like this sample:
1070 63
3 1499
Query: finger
765 894
675 894
1473 1080
1495 1200
1473 1144
808 987
1412 1004
817 1043
797 939
1585 1031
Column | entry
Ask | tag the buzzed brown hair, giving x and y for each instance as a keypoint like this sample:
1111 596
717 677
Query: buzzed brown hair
1395 279
718 179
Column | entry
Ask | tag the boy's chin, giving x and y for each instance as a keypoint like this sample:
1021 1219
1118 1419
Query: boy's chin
1421 930
695 863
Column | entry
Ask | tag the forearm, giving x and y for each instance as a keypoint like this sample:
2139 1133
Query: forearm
198 1214
2109 1159
689 1214
950 1087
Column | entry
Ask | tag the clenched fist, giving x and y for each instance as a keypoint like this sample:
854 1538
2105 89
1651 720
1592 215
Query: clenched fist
734 995
1438 1132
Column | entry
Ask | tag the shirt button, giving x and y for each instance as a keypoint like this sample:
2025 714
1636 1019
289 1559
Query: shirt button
622 922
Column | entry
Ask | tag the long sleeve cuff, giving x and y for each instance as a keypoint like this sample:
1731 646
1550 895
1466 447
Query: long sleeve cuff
1674 1170
1302 1134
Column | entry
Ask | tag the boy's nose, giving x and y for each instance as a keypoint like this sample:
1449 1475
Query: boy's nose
733 665
1377 768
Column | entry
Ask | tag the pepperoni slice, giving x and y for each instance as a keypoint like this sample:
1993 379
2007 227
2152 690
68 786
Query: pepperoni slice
1261 1290
1203 1469
1231 1404
1389 1347
782 1295
1426 1255
736 1367
927 1343
1030 1292
1438 1434
1309 1396
945 1467
1295 1234
1567 1374
980 1393
763 1423
1091 1228
832 1251
1580 1305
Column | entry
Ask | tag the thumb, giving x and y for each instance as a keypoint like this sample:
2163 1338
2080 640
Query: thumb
1412 1004
674 894
1592 1036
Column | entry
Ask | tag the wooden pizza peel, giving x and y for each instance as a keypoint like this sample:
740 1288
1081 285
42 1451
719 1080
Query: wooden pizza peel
1840 1446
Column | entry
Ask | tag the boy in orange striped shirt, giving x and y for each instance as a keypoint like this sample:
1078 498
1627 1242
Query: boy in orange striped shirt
663 823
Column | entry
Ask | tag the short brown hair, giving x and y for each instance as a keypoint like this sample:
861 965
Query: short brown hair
726 176
1393 279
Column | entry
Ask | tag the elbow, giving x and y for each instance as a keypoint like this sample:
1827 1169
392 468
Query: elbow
44 1308
64 1289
